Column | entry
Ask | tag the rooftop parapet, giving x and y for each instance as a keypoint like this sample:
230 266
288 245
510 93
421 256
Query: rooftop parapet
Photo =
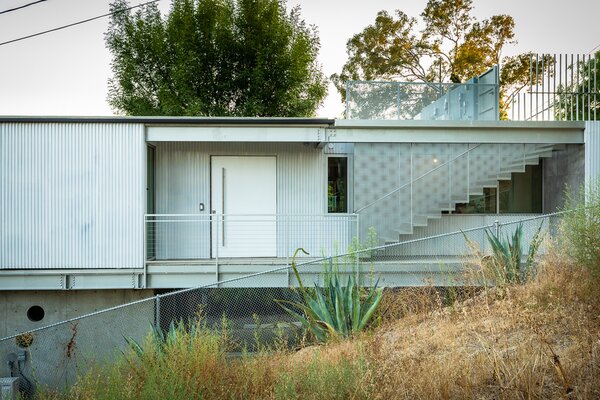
475 100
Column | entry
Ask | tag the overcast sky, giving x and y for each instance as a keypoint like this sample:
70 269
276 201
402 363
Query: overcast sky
66 72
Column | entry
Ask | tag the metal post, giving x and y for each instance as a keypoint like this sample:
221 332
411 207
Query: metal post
286 249
595 85
145 258
450 176
157 312
571 88
411 186
357 254
589 88
537 100
577 92
217 247
553 88
497 229
560 98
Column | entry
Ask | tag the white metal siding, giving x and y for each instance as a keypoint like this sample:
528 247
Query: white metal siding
592 151
72 195
183 182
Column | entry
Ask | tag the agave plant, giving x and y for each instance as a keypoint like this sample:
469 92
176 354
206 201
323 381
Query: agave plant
334 310
507 256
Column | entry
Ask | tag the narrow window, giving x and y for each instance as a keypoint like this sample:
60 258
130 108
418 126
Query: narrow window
337 184
483 204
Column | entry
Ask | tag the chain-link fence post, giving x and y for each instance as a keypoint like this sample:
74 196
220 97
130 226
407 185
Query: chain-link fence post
157 312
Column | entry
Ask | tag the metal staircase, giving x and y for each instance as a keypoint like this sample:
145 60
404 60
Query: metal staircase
402 186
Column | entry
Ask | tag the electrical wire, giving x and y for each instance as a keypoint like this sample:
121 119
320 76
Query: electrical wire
20 7
592 50
76 23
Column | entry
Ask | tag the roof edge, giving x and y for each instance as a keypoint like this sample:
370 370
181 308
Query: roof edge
417 124
160 120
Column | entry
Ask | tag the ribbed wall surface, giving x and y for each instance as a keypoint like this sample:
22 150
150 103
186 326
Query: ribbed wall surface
183 182
592 151
71 195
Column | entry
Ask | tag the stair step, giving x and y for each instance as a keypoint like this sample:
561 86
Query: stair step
492 183
404 229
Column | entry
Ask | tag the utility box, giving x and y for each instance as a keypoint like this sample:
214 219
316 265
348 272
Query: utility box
9 388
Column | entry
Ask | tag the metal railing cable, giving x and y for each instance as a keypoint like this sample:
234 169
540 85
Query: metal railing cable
217 284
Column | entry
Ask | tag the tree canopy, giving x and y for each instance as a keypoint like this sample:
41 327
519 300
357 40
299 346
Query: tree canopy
451 45
214 58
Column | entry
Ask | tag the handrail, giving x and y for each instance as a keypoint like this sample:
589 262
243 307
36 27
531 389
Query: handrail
416 179
431 84
334 215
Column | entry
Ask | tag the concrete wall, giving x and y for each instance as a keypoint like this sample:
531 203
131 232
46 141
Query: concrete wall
564 169
57 353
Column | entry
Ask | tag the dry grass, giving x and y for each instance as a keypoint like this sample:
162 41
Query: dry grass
540 340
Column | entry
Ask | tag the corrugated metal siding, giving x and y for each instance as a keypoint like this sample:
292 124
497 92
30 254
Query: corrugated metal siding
592 151
183 181
72 195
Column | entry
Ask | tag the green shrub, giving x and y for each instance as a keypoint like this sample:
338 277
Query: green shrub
580 228
506 262
334 310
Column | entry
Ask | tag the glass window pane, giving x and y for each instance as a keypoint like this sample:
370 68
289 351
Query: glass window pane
523 193
484 204
337 184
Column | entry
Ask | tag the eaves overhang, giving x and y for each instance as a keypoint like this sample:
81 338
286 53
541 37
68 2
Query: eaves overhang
385 131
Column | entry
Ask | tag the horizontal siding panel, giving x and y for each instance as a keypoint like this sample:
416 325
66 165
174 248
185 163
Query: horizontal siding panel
72 195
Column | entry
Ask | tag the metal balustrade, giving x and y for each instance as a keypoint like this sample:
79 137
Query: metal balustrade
421 101
211 237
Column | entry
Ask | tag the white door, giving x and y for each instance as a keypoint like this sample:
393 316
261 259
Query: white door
243 190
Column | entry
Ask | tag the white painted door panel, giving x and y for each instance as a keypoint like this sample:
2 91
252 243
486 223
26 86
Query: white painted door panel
244 190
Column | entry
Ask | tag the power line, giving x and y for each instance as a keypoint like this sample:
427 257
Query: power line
76 23
20 7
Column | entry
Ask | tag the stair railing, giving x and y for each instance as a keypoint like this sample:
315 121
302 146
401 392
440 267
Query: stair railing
416 179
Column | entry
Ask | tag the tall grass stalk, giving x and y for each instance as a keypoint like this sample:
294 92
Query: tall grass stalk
580 228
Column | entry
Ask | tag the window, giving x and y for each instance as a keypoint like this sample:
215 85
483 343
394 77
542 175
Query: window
337 184
483 204
522 194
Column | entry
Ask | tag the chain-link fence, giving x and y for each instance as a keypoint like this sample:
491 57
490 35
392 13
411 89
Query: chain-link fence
54 356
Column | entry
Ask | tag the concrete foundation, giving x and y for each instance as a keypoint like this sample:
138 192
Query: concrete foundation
564 170
55 355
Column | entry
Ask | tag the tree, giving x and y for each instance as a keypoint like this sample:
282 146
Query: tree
452 46
214 58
